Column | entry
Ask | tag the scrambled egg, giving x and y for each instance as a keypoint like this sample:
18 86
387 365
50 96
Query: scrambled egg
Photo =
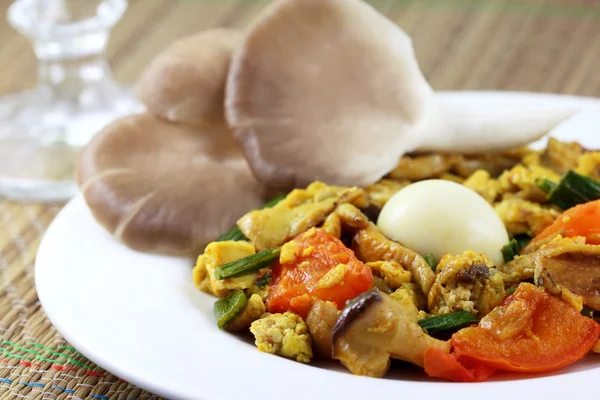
252 311
289 252
412 292
215 255
283 334
482 182
589 165
392 272
561 156
466 282
333 277
522 216
522 181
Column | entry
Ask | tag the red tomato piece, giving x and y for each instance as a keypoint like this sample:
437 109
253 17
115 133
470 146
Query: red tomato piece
299 278
532 332
439 364
581 220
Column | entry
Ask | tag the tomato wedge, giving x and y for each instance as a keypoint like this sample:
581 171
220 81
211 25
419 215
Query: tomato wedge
315 265
581 220
532 332
439 364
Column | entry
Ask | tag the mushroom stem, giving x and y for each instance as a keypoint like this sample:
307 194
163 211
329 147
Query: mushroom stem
452 126
374 328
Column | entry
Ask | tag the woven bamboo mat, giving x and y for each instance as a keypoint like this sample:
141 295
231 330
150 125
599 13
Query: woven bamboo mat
529 45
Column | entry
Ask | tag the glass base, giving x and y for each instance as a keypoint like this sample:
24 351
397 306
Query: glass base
41 137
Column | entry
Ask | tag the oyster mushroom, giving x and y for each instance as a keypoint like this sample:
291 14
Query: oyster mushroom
332 91
375 328
163 187
186 82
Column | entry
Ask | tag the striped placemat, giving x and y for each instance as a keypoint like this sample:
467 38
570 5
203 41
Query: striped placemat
526 45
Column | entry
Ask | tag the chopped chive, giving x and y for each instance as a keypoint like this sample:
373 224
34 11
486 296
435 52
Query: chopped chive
574 189
545 185
430 259
248 264
511 290
233 234
226 308
510 251
447 322
522 241
274 201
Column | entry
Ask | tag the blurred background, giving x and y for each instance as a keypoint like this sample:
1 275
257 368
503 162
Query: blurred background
534 45
525 45
550 46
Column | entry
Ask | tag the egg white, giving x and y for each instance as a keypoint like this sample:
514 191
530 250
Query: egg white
442 217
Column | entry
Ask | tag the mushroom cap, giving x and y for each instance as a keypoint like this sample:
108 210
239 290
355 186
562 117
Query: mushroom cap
186 82
165 188
324 90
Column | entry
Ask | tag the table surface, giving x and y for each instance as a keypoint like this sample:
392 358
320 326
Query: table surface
527 45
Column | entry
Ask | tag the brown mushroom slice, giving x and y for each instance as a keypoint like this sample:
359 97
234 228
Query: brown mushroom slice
574 267
320 321
522 268
375 328
324 90
562 263
186 81
371 245
332 91
301 210
467 282
165 188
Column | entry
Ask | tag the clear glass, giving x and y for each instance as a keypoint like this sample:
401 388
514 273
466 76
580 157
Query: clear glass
42 130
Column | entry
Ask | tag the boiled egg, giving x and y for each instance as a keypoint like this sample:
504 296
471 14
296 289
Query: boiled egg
442 217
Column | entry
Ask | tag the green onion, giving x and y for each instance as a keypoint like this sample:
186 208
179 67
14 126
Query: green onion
274 201
247 264
522 241
545 185
588 312
514 247
236 234
226 308
511 290
430 259
233 234
511 250
574 189
447 322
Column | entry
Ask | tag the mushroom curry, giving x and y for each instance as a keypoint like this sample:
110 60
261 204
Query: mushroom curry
462 265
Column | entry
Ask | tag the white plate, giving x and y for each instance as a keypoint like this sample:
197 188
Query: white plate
140 317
